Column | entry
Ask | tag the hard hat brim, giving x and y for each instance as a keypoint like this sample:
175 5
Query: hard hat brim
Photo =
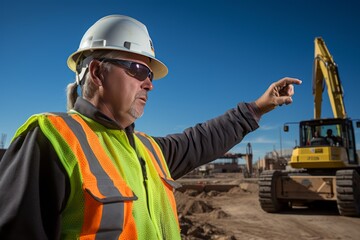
159 68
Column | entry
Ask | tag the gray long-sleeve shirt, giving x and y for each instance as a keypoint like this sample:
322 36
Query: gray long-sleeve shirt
34 186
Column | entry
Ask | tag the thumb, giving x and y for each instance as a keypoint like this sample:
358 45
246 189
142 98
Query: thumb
283 100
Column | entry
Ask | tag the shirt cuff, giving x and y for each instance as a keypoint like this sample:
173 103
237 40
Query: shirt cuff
254 109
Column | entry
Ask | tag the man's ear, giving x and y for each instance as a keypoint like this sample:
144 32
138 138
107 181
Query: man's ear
95 72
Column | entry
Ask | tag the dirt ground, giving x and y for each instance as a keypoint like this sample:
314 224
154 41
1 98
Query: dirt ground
236 214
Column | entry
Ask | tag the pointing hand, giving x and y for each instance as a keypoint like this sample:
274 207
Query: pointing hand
277 94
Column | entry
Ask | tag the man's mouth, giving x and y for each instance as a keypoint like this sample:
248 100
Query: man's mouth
142 96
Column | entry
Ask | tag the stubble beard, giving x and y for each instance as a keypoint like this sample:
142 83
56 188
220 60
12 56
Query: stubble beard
137 111
134 112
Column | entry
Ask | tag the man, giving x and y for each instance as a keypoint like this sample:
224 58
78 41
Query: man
330 138
317 139
87 174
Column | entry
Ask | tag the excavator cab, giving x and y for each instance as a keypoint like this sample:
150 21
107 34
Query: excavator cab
325 143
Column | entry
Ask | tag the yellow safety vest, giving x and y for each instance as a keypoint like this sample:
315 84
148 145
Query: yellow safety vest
108 198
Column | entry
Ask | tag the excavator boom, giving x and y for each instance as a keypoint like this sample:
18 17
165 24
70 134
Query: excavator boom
325 69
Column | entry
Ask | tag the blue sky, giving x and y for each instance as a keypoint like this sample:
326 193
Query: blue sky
218 53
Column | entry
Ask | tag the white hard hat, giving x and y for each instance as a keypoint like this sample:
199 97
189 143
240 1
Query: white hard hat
117 32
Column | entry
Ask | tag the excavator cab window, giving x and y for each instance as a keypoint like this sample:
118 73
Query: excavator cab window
320 134
351 145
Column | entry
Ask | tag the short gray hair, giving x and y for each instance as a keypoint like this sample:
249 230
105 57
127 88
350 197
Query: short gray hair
88 88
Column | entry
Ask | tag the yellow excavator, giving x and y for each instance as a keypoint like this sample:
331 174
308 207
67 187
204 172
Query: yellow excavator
325 165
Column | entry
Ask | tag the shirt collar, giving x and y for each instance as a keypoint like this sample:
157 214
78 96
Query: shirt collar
85 108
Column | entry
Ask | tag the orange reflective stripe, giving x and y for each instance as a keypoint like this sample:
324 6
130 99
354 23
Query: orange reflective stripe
92 217
91 220
105 161
108 200
129 230
171 197
71 139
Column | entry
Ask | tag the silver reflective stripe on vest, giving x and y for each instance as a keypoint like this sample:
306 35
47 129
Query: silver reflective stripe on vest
149 146
112 218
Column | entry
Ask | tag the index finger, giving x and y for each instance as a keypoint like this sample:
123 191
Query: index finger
289 80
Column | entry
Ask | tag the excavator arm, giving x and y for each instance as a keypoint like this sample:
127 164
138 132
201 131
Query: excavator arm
325 70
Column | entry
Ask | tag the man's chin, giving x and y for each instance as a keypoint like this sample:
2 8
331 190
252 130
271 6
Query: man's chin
136 113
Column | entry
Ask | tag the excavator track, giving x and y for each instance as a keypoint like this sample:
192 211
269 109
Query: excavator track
267 192
348 192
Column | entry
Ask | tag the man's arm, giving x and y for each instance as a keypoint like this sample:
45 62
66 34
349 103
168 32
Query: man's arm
32 189
207 141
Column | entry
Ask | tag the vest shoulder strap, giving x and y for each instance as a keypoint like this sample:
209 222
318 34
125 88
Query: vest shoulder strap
155 150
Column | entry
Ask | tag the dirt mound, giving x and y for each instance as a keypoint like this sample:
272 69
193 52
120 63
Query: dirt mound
195 209
249 187
195 206
218 213
192 230
208 194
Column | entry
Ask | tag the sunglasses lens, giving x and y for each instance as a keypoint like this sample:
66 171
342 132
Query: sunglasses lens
140 71
136 70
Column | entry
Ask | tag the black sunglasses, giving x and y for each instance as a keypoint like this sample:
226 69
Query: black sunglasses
134 69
